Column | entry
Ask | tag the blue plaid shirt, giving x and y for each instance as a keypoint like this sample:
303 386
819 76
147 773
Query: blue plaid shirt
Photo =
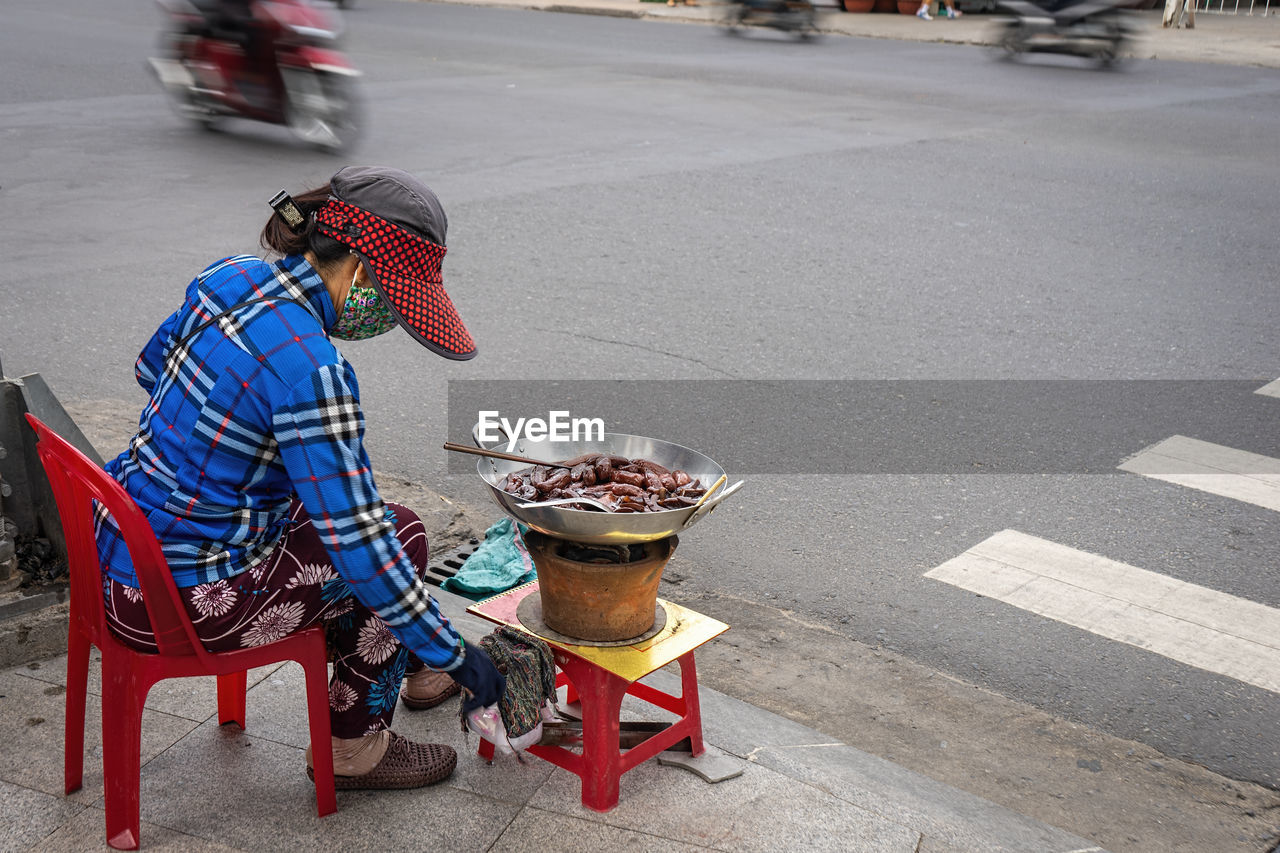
247 412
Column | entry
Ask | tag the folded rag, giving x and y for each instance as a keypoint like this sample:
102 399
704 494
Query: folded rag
500 563
530 670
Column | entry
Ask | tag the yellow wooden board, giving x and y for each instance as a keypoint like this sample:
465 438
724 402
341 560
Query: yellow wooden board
685 630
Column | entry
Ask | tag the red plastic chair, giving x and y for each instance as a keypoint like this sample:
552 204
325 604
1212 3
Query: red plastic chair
127 675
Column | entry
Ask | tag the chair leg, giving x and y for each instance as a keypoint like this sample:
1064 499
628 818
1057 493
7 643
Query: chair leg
231 690
317 673
77 688
122 701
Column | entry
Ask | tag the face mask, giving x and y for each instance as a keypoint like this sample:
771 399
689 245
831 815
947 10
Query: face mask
364 315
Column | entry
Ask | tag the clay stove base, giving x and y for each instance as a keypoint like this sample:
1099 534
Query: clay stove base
529 612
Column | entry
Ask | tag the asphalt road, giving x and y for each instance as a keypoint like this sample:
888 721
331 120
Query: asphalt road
632 200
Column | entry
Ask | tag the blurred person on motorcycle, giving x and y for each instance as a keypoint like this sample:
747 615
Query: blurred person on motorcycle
234 20
796 16
249 463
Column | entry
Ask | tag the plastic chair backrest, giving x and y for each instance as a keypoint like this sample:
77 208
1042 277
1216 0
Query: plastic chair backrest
77 482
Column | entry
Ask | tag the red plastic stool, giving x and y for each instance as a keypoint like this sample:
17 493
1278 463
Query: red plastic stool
599 677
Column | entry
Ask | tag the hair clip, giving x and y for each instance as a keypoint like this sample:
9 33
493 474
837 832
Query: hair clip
287 209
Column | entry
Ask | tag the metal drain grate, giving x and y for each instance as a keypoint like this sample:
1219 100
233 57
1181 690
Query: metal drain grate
445 566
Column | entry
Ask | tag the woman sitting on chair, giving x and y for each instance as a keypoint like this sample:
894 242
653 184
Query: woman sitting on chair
250 465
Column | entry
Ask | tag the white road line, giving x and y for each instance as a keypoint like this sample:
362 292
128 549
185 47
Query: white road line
1271 389
1192 624
1225 471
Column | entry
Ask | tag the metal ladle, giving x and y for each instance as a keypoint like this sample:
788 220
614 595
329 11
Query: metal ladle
563 501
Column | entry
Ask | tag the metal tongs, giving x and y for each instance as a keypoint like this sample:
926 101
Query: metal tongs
498 454
631 734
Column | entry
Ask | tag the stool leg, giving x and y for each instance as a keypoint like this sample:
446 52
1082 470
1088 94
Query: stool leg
693 708
601 694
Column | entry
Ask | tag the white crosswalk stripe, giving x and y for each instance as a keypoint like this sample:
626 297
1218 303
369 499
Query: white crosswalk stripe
1193 624
1271 389
1225 471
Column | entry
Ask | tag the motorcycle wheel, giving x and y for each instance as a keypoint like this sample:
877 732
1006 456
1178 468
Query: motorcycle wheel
208 121
323 110
194 108
734 19
182 94
190 108
1012 42
1110 55
806 28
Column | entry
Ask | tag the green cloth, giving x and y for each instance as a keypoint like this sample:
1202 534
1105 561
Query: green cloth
500 563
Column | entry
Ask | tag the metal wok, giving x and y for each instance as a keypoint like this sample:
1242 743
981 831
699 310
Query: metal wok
605 528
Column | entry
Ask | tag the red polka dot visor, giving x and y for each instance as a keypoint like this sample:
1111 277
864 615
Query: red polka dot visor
406 271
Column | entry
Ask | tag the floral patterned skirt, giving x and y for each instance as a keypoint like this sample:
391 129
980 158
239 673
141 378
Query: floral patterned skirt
294 588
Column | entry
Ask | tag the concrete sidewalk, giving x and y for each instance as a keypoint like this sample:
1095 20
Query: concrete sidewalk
206 787
1240 39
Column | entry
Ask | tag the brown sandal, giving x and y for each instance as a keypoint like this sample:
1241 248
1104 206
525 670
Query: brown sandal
406 765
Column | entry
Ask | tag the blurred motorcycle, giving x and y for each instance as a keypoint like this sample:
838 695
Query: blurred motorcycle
282 67
1094 29
793 16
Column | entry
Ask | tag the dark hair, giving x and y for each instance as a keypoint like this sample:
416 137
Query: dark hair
279 237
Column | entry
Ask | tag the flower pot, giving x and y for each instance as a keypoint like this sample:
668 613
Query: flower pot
908 7
859 5
885 6
598 601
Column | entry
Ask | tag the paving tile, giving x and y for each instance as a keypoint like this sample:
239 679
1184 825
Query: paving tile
53 670
509 779
27 815
32 715
277 711
88 831
193 698
276 707
756 811
230 787
928 844
538 831
196 698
